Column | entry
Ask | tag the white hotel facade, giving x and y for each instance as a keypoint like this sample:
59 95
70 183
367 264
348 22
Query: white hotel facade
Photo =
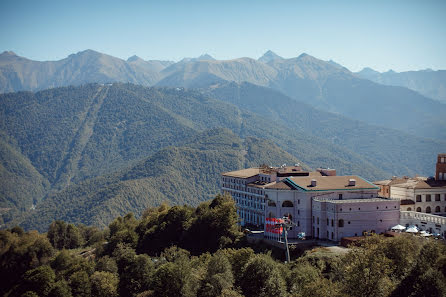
318 203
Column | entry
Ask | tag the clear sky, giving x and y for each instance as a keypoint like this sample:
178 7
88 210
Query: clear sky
381 34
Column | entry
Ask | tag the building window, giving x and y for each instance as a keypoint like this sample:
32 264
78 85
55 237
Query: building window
271 203
340 196
418 198
437 197
318 220
428 198
418 209
298 223
437 209
327 224
331 235
332 222
287 203
341 223
409 209
428 209
313 219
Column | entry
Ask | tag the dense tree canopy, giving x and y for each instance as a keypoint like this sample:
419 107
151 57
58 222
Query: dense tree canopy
141 257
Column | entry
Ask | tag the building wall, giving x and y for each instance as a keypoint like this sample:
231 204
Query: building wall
440 172
384 191
310 217
423 194
345 219
250 200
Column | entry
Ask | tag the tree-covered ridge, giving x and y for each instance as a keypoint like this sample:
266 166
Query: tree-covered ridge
186 251
186 174
67 135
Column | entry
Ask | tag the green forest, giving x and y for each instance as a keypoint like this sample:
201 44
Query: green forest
201 251
106 150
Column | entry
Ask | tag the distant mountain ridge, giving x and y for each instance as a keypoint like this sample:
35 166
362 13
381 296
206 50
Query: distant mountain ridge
18 73
427 82
325 85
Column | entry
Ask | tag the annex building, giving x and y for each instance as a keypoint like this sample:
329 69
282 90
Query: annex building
419 194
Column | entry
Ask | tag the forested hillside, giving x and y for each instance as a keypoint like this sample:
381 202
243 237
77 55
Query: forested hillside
55 142
188 251
184 175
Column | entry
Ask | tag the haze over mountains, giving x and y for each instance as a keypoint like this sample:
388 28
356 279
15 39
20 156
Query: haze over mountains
427 82
107 149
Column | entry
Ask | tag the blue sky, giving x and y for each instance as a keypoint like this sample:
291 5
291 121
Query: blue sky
399 35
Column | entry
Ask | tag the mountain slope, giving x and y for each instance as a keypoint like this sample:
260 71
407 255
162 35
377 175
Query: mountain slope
187 174
74 133
324 85
429 83
395 152
18 73
21 185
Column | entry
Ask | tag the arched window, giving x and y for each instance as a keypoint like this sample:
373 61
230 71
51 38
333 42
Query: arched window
418 209
287 203
437 209
341 223
428 209
271 203
409 209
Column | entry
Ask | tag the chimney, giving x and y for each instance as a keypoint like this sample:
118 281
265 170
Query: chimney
313 182
352 182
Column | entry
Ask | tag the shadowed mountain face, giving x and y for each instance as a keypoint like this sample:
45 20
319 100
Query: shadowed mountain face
325 85
429 83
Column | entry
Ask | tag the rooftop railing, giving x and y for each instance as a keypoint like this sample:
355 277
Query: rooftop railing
425 217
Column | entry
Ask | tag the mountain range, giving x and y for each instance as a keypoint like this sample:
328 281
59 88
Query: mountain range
325 85
105 148
427 82
57 138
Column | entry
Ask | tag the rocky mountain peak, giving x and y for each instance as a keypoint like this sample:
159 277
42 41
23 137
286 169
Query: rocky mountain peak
269 56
